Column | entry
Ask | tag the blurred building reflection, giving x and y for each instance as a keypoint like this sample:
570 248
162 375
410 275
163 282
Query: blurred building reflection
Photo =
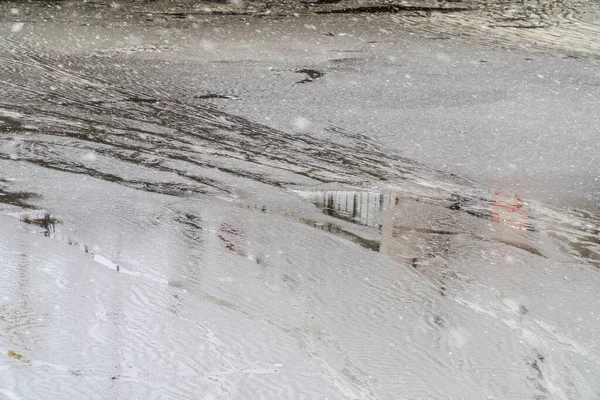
413 230
364 208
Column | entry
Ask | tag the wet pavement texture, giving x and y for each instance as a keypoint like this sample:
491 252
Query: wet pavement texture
333 206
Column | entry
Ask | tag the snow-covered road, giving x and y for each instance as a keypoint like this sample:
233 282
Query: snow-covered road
213 211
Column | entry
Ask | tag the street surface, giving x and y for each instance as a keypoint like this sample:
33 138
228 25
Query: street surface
241 202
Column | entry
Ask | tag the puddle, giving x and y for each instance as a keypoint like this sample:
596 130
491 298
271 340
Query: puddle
509 210
412 230
364 208
368 208
374 245
49 223
43 220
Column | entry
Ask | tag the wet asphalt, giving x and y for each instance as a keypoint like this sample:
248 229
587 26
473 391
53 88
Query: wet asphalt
331 206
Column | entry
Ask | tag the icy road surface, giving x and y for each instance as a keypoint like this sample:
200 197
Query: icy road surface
155 244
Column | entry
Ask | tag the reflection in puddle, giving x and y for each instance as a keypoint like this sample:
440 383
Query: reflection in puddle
346 234
43 220
364 208
48 223
411 229
368 208
504 209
